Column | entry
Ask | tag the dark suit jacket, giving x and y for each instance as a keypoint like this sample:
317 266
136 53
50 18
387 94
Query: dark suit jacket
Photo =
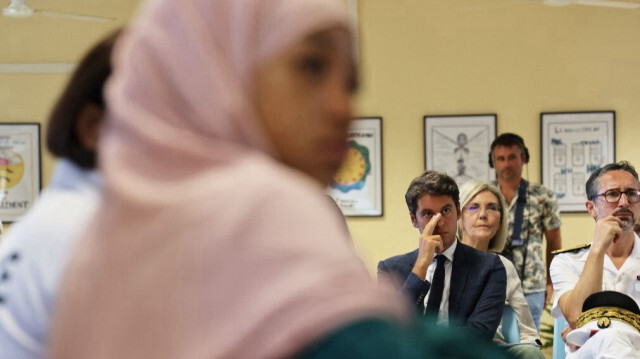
476 293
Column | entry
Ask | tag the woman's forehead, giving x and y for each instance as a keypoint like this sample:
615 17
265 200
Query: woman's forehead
485 195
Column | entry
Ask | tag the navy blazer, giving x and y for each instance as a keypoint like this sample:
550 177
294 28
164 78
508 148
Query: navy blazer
476 293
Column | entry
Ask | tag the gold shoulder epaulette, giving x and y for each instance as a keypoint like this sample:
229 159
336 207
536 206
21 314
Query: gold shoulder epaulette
572 249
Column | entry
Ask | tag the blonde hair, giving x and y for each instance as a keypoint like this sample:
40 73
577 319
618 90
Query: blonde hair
469 190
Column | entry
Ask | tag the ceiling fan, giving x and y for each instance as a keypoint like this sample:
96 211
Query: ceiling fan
604 3
20 9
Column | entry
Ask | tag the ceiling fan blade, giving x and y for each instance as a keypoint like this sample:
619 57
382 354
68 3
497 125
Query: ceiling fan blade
616 4
67 15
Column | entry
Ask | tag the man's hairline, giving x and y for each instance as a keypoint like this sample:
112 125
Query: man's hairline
597 181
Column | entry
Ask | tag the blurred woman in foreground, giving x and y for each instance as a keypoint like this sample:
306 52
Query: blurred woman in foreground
227 118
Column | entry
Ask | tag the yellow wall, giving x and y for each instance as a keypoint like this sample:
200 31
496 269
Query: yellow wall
44 39
515 58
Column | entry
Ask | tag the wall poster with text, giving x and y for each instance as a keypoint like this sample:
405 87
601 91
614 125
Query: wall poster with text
357 186
20 179
573 145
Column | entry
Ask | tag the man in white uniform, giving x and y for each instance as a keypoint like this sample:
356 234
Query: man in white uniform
612 260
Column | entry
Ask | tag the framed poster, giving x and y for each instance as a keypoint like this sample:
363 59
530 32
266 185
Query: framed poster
459 145
357 186
573 145
20 179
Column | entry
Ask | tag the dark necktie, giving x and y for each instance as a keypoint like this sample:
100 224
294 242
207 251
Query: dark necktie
437 286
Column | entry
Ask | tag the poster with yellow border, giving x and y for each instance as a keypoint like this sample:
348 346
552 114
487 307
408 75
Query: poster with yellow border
20 179
357 186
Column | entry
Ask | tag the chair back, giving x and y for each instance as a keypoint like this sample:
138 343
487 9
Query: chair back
510 329
558 343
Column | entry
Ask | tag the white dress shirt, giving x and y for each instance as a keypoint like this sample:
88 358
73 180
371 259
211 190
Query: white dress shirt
566 269
443 313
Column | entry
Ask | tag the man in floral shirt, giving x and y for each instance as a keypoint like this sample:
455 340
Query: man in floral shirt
539 216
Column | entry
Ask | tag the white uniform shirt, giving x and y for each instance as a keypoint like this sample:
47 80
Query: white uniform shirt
33 256
443 313
566 269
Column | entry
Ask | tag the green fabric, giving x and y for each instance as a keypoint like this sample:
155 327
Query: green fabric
377 338
525 351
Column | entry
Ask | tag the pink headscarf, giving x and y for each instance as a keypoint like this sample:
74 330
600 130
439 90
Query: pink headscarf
205 246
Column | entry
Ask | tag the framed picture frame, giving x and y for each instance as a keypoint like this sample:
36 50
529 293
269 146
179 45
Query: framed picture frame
459 145
573 145
357 186
20 177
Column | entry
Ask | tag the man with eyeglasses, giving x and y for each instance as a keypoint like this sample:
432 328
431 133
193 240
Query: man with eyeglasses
612 260
457 284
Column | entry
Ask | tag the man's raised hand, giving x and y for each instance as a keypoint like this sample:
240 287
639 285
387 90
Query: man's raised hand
428 245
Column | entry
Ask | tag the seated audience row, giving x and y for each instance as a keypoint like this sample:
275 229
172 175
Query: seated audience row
436 275
468 285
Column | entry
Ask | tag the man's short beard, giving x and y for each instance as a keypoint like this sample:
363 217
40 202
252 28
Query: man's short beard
627 224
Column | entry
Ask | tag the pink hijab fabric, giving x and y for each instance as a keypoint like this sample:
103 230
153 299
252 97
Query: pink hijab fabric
205 246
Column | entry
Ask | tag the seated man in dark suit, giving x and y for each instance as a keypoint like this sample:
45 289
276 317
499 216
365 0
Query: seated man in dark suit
444 277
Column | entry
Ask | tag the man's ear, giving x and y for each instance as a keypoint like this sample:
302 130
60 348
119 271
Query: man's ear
414 221
88 126
591 208
458 211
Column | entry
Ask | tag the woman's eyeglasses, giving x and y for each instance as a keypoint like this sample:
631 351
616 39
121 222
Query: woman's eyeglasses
475 208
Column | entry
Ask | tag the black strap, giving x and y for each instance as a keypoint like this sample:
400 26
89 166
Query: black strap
520 203
517 224
437 286
515 241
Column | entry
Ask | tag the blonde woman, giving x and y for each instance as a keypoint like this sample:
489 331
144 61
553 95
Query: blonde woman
483 225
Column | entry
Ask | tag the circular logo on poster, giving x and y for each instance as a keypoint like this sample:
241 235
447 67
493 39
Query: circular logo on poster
354 170
11 169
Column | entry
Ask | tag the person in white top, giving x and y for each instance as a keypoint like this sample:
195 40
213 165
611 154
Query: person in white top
612 260
483 225
36 249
